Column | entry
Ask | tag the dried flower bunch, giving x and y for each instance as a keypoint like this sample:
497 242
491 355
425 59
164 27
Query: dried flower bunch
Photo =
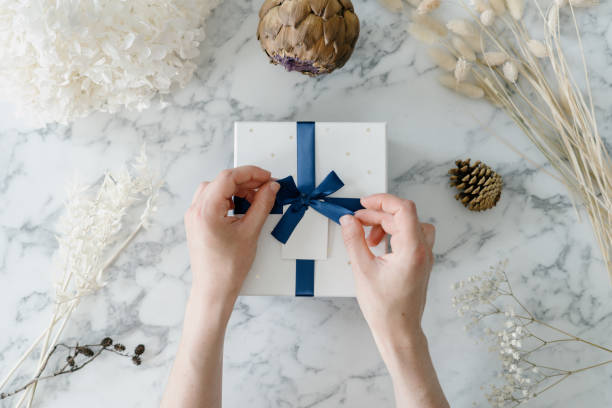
309 36
492 55
78 357
479 187
63 60
95 229
493 309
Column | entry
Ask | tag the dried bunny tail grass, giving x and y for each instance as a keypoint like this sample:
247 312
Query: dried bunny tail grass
423 34
462 70
392 5
537 48
430 23
463 88
462 28
516 8
480 5
427 6
499 6
487 17
494 58
510 71
442 59
463 49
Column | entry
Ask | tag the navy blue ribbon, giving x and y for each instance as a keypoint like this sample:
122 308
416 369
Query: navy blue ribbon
301 196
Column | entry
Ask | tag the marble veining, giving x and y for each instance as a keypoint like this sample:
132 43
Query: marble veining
285 352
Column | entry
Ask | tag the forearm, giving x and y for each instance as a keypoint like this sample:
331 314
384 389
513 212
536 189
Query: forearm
415 382
195 380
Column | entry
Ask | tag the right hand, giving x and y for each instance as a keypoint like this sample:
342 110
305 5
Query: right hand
391 289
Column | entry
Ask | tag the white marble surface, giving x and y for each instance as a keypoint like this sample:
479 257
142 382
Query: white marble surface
285 352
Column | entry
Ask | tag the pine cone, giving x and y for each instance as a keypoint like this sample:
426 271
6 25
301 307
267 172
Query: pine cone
310 36
479 186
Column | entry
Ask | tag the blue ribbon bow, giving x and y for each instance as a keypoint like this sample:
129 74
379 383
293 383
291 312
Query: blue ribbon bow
299 201
301 196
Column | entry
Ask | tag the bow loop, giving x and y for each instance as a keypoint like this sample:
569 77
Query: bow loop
318 199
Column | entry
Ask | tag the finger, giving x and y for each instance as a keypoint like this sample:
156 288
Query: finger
404 212
262 203
377 233
229 181
354 240
201 187
429 234
383 202
373 217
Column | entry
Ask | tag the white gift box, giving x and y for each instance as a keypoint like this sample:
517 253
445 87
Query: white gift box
357 152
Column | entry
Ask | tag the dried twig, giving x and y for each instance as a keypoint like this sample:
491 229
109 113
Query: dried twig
78 357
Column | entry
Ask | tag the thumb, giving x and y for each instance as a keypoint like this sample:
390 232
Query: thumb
354 240
260 207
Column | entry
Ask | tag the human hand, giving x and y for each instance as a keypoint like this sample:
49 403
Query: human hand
222 247
391 289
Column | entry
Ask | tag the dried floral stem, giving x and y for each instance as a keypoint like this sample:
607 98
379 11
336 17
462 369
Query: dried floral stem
477 297
88 231
537 90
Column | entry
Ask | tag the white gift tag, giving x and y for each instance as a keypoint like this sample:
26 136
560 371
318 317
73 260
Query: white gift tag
309 238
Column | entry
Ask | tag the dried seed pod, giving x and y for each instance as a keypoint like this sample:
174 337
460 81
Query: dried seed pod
537 48
86 351
463 49
463 88
139 349
494 58
510 71
119 347
442 58
479 186
309 36
461 27
106 342
427 6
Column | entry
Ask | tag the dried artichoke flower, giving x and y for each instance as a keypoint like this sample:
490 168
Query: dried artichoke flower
309 36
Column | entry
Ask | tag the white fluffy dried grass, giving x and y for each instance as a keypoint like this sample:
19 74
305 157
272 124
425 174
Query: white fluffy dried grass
62 60
93 232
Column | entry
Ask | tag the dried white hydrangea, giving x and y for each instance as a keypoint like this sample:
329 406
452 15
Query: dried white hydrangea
61 60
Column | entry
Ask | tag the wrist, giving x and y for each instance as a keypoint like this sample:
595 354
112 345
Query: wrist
402 345
209 310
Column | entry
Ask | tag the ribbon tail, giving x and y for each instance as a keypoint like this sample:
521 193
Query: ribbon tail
285 226
353 204
304 277
331 211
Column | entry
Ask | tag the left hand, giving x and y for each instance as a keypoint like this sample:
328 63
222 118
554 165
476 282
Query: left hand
222 247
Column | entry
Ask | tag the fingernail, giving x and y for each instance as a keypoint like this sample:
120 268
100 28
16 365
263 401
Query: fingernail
275 187
345 220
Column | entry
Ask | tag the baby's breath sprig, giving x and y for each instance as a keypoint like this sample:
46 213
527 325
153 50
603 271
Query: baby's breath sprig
482 299
78 357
